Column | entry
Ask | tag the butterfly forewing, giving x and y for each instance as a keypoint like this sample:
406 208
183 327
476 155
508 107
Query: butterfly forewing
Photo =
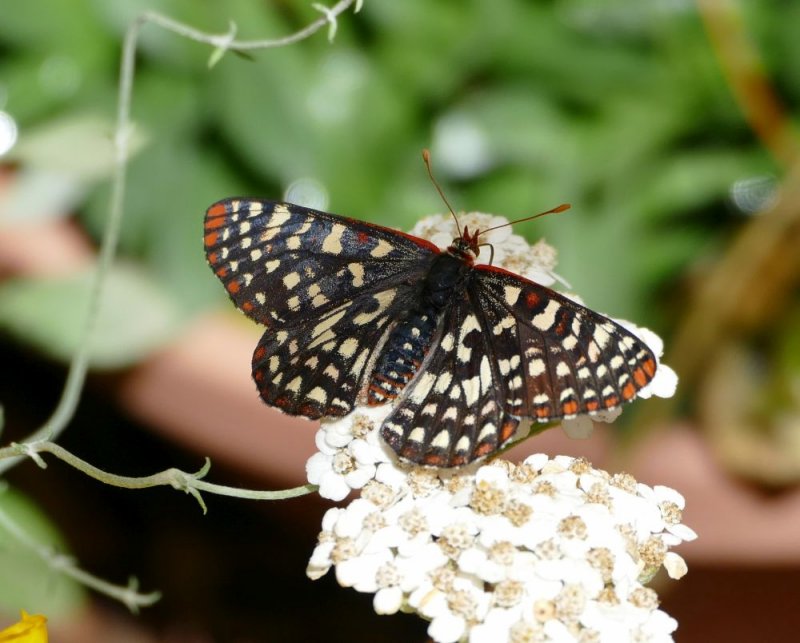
560 359
326 287
281 262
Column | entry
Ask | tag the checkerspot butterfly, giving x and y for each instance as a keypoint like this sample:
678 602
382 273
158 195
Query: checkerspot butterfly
357 313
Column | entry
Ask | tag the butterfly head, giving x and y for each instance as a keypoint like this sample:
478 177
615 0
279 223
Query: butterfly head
466 245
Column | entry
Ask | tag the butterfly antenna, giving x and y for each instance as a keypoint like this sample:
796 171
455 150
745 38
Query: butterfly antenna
426 157
561 208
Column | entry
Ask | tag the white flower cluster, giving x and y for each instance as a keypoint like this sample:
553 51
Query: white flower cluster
548 550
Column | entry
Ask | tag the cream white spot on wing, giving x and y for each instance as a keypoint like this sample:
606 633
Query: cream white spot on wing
545 319
507 322
333 242
357 270
463 444
562 369
600 336
255 254
472 389
536 367
348 347
442 440
570 342
447 343
417 434
382 249
443 382
358 365
291 280
280 215
294 385
422 387
488 430
511 294
270 266
318 394
429 409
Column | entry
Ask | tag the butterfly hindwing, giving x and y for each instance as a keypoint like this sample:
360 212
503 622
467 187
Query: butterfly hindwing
453 412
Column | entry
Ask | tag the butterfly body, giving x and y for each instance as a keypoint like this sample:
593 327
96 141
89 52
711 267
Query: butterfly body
361 314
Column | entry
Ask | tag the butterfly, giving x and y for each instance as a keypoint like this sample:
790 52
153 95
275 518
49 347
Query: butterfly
361 314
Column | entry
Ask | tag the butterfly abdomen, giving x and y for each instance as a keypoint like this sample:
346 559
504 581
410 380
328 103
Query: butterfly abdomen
402 356
411 338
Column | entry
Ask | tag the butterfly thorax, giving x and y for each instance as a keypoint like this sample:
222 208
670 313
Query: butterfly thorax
411 338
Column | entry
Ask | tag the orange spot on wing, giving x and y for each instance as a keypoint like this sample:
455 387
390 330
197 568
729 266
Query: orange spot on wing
363 237
628 391
213 257
260 352
649 367
592 405
484 448
213 223
542 412
216 210
639 377
611 400
431 459
232 287
222 271
247 306
532 299
211 238
507 430
569 407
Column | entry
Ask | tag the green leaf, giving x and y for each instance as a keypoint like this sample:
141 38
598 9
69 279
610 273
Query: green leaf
135 316
26 581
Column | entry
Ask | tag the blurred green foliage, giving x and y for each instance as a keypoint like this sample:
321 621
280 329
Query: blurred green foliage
617 107
25 579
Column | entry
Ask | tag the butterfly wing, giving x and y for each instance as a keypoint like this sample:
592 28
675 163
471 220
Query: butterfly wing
326 287
511 348
453 412
558 359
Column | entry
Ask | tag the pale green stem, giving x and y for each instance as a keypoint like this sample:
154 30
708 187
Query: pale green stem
66 565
